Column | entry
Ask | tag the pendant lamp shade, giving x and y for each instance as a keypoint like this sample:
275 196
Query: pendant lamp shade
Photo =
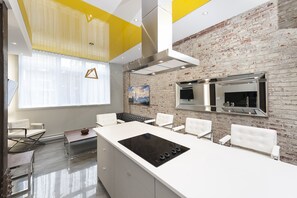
91 73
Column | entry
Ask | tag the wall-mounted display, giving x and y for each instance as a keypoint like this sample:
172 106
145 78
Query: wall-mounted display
139 95
239 94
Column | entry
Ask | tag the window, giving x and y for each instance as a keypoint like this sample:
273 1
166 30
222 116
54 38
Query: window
52 80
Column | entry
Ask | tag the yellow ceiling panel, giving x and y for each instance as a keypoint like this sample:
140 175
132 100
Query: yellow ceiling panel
181 8
76 28
25 17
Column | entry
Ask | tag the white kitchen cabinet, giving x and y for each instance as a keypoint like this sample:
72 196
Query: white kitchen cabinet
163 192
131 181
105 167
123 178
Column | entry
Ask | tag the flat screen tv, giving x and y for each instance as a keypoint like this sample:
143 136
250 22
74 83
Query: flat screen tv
186 94
242 99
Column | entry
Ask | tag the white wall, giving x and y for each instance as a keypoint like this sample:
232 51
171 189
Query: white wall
59 119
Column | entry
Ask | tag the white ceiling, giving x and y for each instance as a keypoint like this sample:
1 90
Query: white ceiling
18 39
129 10
125 9
218 11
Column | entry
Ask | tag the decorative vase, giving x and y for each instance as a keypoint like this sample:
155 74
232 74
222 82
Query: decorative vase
84 131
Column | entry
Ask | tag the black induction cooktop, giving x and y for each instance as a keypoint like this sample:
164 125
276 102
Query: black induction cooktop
153 149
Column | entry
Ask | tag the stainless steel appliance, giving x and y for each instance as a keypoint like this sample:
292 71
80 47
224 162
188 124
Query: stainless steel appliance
157 52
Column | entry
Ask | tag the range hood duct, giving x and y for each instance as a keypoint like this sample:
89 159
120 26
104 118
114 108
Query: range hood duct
157 41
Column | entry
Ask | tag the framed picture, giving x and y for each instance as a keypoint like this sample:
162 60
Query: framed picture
139 95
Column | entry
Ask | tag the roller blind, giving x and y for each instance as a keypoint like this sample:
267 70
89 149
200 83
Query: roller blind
54 80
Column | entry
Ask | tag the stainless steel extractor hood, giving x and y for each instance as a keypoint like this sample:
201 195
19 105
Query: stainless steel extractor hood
157 41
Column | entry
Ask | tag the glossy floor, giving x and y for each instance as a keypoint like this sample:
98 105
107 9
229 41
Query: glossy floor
56 176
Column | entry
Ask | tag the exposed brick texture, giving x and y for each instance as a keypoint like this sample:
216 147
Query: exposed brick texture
287 14
250 42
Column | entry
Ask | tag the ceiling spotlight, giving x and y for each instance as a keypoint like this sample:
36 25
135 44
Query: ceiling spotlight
14 43
135 19
153 73
205 13
161 61
183 67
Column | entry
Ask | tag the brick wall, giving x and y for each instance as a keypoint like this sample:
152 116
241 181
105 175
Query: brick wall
287 13
251 42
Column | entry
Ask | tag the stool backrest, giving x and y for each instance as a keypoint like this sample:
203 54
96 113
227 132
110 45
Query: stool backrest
258 139
107 119
164 119
196 126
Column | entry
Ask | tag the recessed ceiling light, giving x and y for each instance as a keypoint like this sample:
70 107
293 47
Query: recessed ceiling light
90 16
161 61
14 43
205 13
182 67
153 73
135 19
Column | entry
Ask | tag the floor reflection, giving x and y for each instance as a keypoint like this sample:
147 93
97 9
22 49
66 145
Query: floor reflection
56 176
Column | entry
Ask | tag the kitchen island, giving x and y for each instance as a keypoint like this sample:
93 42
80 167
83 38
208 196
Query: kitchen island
207 170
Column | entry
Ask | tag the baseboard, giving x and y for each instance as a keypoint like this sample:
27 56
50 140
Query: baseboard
52 138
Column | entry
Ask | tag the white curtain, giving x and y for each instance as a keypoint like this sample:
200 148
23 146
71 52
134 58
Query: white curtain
52 80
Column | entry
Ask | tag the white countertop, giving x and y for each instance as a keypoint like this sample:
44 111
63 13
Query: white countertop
209 170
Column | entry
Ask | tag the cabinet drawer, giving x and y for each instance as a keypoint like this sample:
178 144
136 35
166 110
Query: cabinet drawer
103 150
105 164
131 180
163 192
107 179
